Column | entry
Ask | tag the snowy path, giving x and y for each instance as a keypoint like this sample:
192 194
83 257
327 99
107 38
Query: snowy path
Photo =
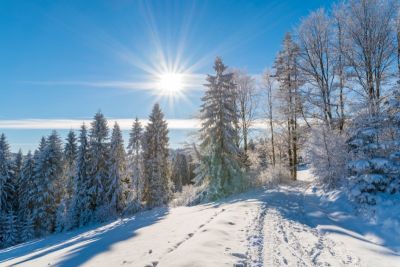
285 226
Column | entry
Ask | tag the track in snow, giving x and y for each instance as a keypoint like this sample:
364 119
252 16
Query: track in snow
282 235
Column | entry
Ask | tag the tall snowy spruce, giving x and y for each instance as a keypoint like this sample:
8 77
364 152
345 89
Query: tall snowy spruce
80 212
220 165
6 192
48 177
117 182
63 219
99 156
135 162
155 152
27 198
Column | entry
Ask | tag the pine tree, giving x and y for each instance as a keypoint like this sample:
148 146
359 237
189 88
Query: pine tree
28 230
157 183
6 189
220 165
180 171
69 162
70 151
48 176
16 176
27 197
10 235
136 159
117 183
81 212
99 156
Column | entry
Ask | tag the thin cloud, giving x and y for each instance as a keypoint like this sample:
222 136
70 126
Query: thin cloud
125 124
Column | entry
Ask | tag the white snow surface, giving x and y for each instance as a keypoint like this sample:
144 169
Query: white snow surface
289 225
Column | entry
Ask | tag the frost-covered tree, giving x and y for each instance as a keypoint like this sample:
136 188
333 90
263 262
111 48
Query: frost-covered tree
99 156
117 182
269 86
155 153
328 155
6 189
316 61
6 185
27 197
16 176
371 45
375 151
10 231
246 104
48 177
81 212
70 153
64 220
135 157
220 166
27 231
180 171
288 77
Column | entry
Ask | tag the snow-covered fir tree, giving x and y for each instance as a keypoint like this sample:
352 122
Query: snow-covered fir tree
180 171
63 217
135 158
99 157
70 153
10 231
155 153
6 189
26 198
220 165
375 152
27 231
81 212
117 182
16 176
6 186
48 177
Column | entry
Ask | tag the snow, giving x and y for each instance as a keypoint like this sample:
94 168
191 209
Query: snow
294 224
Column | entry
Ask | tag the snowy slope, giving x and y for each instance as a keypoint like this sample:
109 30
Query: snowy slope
291 225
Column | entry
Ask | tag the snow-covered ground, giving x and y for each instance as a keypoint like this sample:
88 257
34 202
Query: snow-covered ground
290 225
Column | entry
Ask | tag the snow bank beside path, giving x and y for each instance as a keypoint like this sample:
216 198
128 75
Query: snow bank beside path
294 224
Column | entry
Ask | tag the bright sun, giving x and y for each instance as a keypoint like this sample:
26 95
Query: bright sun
171 83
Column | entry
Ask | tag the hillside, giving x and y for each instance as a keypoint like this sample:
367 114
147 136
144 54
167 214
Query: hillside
289 225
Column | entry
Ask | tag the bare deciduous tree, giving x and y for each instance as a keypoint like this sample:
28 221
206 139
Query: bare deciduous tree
317 64
368 31
246 104
268 84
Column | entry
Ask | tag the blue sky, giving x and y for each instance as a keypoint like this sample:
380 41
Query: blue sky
69 59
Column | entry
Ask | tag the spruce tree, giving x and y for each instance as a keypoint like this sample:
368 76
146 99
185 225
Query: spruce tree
99 156
10 235
70 152
6 189
220 166
157 183
27 197
81 212
48 176
117 183
136 159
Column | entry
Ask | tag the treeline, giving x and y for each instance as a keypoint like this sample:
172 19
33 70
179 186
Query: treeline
92 178
332 98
